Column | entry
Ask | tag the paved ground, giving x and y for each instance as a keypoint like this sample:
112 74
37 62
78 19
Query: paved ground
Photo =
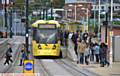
103 71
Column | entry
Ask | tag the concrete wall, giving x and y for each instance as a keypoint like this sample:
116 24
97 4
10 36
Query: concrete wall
116 48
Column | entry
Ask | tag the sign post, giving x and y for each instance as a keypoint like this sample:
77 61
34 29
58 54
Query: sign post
28 68
111 51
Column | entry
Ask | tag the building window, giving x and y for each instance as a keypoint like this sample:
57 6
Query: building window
102 7
116 7
94 7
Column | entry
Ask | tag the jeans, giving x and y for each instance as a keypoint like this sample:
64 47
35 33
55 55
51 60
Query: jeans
97 58
81 58
86 59
104 62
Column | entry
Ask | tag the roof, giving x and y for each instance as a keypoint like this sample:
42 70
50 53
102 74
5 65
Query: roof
35 24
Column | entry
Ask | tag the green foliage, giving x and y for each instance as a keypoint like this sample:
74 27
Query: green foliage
20 4
116 16
56 3
116 22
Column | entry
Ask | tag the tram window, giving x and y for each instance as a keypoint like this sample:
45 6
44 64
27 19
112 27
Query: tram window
46 36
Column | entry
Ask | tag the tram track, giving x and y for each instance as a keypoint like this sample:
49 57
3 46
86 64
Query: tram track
61 67
45 71
73 69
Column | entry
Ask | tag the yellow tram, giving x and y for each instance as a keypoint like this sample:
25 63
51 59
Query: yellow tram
45 40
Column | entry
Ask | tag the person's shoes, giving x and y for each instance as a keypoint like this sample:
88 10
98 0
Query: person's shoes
4 64
108 64
101 65
20 65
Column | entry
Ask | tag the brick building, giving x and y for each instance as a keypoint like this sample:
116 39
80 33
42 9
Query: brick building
115 29
77 10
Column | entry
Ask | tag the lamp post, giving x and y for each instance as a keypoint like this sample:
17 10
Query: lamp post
5 9
27 23
11 22
46 10
51 9
99 17
111 10
75 12
94 13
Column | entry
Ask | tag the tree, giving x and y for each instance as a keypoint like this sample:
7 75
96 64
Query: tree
20 4
56 3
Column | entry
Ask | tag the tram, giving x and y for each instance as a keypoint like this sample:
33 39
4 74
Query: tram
45 41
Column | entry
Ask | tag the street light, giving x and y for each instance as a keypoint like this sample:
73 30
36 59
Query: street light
51 9
10 22
27 23
75 12
5 9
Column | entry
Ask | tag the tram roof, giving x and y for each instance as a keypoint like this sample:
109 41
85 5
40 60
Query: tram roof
35 24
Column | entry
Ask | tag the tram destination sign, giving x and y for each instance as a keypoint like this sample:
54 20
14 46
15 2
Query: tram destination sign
52 26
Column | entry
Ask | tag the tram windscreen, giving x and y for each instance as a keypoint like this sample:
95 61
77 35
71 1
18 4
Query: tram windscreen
48 36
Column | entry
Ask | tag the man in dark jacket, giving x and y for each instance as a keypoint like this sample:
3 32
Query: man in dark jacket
85 36
8 55
103 55
74 39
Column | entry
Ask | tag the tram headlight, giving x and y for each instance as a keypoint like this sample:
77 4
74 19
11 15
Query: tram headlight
39 46
54 47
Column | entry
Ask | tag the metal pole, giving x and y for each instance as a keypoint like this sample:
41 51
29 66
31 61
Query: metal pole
46 10
99 18
106 27
94 13
75 12
27 23
111 10
40 14
51 9
87 18
43 13
5 8
10 22
66 14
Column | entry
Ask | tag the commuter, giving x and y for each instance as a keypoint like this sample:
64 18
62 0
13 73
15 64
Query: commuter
92 52
61 37
97 52
74 39
81 49
66 38
22 56
85 36
87 52
8 55
103 55
70 35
